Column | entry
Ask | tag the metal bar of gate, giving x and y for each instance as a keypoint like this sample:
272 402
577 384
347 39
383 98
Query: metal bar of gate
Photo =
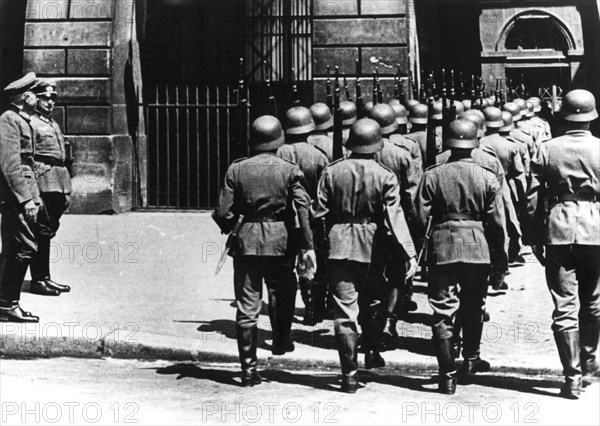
168 151
198 145
218 121
187 144
157 138
207 147
177 149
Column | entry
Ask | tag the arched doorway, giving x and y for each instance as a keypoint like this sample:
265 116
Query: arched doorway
537 47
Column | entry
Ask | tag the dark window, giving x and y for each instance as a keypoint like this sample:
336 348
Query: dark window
536 32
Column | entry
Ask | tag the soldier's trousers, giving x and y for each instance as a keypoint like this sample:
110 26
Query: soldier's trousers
18 247
353 301
573 277
54 204
454 286
278 275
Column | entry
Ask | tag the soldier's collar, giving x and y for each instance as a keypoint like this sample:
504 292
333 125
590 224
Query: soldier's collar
575 131
19 110
45 117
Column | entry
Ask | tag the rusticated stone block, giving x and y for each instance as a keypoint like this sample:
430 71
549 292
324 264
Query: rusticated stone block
92 9
343 57
68 34
335 7
59 116
44 61
47 9
83 90
382 7
389 57
89 120
360 31
88 61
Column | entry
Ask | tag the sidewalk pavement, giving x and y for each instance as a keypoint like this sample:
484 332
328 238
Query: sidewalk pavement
144 288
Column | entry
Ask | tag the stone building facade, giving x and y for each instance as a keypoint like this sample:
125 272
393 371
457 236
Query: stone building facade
105 53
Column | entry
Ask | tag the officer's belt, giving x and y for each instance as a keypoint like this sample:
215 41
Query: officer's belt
458 216
258 219
50 161
574 197
356 220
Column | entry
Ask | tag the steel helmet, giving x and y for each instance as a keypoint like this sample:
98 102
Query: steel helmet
579 106
365 137
322 116
385 116
266 134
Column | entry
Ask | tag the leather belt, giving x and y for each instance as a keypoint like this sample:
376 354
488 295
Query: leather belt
27 160
574 197
259 219
459 216
50 161
356 220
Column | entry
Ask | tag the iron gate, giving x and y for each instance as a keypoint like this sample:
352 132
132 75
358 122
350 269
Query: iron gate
193 133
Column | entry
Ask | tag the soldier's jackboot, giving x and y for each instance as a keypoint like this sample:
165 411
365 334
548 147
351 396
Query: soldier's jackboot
281 314
319 296
472 364
306 291
247 340
12 274
447 366
347 349
372 336
41 283
567 343
589 331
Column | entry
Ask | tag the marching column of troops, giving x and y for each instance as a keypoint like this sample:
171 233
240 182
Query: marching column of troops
35 189
457 196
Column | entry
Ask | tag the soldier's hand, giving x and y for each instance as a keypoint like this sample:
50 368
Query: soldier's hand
31 211
309 258
538 251
411 268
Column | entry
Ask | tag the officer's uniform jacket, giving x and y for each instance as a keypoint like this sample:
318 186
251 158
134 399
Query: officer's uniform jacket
465 201
270 193
50 154
309 159
360 198
565 177
17 182
408 173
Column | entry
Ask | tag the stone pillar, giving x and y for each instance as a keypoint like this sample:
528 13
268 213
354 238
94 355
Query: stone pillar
84 46
346 30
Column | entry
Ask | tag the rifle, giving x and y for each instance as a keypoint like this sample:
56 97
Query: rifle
452 89
497 93
396 87
375 77
431 148
338 138
473 89
328 95
295 94
449 110
346 88
379 91
360 101
462 86
425 246
412 86
231 239
272 99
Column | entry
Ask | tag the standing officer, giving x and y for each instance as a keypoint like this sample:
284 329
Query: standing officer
360 201
269 192
19 198
564 215
54 182
311 161
463 200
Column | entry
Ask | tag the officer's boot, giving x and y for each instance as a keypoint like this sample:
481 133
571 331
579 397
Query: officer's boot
471 343
306 291
247 340
406 303
347 349
40 270
567 343
389 337
447 366
589 330
12 274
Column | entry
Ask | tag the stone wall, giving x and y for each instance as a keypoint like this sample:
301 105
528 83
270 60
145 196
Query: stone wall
346 30
84 46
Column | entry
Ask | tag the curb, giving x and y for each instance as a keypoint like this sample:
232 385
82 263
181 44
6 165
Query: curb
152 347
